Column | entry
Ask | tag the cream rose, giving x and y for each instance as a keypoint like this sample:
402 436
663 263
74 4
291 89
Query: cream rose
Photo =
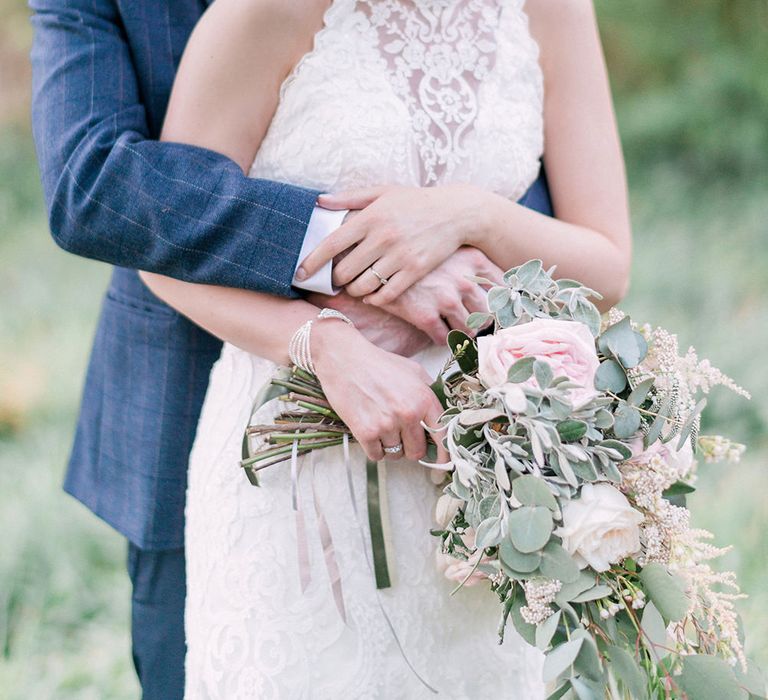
567 346
600 527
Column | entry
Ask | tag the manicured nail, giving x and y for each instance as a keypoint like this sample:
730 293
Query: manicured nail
301 274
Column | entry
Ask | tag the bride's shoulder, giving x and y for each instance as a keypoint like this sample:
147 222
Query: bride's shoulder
563 30
267 15
546 10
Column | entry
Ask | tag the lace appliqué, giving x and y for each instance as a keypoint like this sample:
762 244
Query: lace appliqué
438 52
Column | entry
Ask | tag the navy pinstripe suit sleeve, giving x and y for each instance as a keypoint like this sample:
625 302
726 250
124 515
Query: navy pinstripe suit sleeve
113 194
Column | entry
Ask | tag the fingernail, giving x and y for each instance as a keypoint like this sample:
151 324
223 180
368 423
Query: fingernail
301 274
365 300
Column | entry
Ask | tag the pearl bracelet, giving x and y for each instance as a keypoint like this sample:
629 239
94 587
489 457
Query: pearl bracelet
299 349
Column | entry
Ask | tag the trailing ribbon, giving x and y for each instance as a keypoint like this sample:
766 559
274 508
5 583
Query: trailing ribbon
326 540
329 551
374 498
377 519
302 544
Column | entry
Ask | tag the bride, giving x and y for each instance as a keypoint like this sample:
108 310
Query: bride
430 117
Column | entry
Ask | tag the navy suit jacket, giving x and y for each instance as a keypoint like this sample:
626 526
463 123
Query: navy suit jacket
102 75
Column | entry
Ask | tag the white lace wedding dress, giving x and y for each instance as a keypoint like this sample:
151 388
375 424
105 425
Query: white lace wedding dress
415 92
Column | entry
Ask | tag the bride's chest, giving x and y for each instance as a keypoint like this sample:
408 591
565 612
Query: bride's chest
372 104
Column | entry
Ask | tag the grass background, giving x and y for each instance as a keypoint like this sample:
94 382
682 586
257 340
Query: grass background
692 99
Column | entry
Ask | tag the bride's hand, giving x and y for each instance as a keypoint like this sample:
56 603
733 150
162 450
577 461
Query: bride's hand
382 397
390 332
402 232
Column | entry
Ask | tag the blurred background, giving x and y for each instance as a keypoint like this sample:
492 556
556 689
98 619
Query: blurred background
691 88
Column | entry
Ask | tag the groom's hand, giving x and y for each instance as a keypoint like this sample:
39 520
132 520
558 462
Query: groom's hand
443 299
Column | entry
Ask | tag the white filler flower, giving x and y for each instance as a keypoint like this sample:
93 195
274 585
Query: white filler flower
600 528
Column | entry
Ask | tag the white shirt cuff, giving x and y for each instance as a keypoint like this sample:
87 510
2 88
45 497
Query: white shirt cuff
322 223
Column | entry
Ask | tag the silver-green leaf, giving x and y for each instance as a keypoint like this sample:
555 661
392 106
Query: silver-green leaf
530 528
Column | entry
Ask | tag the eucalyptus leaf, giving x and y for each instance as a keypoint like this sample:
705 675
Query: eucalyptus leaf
560 659
666 591
518 561
627 420
521 371
752 679
586 312
588 661
627 671
530 528
639 394
709 678
525 630
546 630
654 631
561 691
531 490
596 593
571 590
610 377
619 340
556 563
585 690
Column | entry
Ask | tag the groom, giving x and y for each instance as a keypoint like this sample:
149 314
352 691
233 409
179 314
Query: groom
102 74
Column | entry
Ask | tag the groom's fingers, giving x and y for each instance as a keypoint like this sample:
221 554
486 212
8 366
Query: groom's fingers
350 199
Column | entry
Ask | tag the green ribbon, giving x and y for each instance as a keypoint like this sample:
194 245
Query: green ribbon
376 496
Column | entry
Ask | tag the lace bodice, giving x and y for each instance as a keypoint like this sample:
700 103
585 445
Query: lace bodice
411 92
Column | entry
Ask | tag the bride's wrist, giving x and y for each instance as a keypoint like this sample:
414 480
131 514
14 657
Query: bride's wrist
317 336
479 216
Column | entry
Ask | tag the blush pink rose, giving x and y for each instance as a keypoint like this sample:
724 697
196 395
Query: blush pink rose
567 346
681 461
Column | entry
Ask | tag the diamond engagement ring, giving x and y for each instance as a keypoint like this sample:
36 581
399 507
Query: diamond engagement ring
394 450
381 278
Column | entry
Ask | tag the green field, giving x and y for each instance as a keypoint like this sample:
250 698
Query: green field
699 183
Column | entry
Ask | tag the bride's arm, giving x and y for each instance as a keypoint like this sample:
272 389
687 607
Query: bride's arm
219 101
405 231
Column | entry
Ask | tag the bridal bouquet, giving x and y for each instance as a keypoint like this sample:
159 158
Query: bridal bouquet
573 443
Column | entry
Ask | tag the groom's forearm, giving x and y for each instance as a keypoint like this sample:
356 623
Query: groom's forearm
115 195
